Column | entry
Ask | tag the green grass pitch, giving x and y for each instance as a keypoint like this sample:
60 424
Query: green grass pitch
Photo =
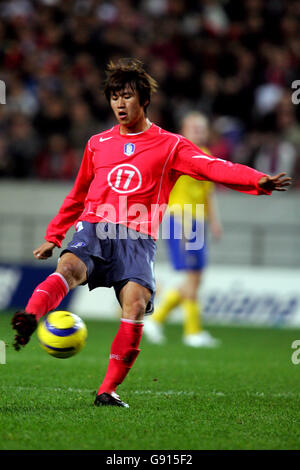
243 395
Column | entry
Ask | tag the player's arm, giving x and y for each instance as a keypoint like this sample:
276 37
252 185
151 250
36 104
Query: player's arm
213 215
70 210
189 159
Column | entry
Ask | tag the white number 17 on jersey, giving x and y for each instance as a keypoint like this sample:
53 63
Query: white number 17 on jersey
130 174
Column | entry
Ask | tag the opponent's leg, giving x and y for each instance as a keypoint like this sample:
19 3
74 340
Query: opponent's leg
125 347
154 325
192 309
70 272
153 328
186 296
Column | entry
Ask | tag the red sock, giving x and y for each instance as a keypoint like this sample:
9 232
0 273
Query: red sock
123 353
47 295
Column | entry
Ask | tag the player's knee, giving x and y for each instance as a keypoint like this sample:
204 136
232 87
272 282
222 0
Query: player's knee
136 309
189 295
72 273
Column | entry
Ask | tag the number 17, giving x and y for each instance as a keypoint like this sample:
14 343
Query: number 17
130 174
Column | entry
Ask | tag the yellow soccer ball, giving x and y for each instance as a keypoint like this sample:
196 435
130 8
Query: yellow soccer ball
62 334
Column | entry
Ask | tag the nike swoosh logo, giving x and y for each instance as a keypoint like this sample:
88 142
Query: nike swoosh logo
203 156
209 158
41 290
102 139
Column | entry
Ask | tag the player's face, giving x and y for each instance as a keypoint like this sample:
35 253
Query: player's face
127 108
196 130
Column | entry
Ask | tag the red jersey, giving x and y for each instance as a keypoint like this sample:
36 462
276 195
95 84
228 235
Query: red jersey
127 179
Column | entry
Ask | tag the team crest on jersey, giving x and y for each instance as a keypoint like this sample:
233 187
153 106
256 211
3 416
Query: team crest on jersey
129 149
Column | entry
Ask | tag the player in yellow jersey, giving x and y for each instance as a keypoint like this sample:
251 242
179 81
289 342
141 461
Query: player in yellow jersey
185 196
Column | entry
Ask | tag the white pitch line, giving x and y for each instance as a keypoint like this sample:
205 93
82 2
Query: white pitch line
155 393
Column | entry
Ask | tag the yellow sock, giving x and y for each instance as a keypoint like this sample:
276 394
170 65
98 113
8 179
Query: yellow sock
192 317
171 299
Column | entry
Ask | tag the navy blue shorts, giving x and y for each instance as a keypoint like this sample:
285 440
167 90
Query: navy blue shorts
193 258
114 255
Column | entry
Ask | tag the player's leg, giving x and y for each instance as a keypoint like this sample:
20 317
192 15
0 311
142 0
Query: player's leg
125 347
154 330
194 335
154 325
195 262
70 272
191 307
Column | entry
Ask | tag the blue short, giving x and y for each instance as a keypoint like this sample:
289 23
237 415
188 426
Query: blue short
114 255
182 256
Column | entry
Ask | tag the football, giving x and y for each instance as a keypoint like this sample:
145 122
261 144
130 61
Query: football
62 334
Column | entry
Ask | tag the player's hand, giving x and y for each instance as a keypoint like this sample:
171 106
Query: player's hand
44 251
278 182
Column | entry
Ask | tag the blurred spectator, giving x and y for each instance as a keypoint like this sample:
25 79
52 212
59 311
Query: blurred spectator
4 159
275 155
23 147
214 17
286 121
209 91
288 128
218 145
19 99
234 61
83 125
57 160
53 118
267 97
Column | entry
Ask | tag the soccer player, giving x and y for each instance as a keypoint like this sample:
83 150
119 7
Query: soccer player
186 194
117 203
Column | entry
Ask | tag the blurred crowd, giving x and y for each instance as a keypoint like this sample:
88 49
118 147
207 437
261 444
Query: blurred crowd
236 61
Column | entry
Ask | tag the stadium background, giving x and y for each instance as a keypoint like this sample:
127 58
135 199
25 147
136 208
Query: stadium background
235 61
